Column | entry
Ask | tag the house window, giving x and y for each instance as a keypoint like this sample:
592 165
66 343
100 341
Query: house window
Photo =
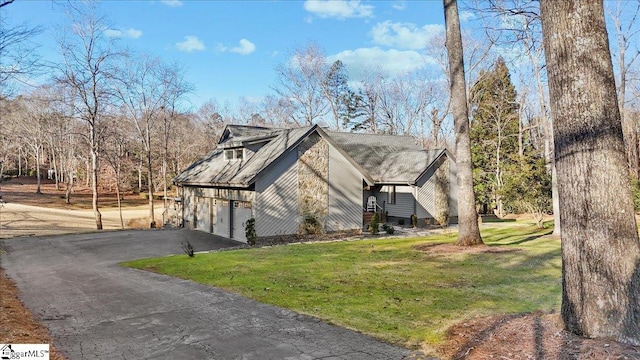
391 194
234 154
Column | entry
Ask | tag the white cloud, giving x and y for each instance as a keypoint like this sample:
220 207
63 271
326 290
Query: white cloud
245 47
391 62
404 35
172 3
340 9
128 33
399 5
190 43
467 15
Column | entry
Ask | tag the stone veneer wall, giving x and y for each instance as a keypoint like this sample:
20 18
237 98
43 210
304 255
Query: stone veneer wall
313 186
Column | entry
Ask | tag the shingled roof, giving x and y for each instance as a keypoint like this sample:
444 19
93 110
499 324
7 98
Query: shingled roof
385 159
213 170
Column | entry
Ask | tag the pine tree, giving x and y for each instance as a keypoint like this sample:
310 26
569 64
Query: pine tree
494 133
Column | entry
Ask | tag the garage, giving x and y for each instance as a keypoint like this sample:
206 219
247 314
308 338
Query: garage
223 223
241 214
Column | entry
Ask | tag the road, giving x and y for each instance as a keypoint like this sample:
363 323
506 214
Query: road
25 220
96 309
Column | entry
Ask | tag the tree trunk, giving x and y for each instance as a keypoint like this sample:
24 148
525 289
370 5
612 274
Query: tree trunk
118 194
94 182
557 225
19 162
38 181
468 230
152 219
600 245
67 196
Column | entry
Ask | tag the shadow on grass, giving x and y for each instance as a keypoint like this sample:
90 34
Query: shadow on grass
524 240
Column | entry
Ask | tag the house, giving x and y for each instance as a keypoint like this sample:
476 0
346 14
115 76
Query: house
294 181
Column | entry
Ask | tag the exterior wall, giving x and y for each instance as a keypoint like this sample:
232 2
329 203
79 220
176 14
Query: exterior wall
200 208
453 192
276 203
345 194
313 183
431 192
404 205
188 207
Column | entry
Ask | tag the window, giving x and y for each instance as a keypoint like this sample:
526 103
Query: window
234 154
391 194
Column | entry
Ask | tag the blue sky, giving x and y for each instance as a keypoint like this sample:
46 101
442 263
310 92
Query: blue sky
229 48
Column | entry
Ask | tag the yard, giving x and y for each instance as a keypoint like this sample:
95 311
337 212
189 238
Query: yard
416 292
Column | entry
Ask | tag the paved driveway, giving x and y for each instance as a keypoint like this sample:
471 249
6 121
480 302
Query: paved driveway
96 309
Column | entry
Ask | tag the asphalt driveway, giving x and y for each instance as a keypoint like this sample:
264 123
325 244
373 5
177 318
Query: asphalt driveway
95 309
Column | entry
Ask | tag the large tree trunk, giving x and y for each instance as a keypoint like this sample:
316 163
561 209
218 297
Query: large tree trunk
600 246
468 230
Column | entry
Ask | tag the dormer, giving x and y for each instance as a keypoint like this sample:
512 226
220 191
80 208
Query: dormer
234 154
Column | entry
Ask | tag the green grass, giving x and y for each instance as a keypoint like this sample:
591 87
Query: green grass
386 287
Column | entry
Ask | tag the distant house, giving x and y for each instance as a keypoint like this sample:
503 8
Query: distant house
289 180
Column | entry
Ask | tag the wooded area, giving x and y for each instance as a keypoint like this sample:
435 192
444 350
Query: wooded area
112 118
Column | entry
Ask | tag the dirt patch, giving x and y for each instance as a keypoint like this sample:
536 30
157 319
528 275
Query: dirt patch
530 336
22 190
17 325
445 248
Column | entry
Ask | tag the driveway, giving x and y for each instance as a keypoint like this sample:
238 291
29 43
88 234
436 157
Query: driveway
95 309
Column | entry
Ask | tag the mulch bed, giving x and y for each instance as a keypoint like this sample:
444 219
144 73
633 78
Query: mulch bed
527 336
17 325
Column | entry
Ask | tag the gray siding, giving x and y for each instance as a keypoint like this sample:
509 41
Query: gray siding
276 203
345 194
405 201
453 189
426 206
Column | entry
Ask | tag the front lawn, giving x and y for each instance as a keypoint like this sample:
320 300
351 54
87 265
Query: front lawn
404 290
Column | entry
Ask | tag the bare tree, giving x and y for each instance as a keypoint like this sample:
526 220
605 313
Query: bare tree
18 57
300 85
87 70
624 23
116 152
149 91
600 245
469 232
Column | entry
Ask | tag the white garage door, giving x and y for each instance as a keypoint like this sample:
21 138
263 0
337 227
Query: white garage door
241 213
223 222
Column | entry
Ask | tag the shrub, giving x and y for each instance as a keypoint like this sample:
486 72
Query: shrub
250 231
311 226
400 222
388 228
375 223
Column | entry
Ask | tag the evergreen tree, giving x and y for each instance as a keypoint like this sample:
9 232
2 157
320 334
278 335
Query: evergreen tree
494 134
